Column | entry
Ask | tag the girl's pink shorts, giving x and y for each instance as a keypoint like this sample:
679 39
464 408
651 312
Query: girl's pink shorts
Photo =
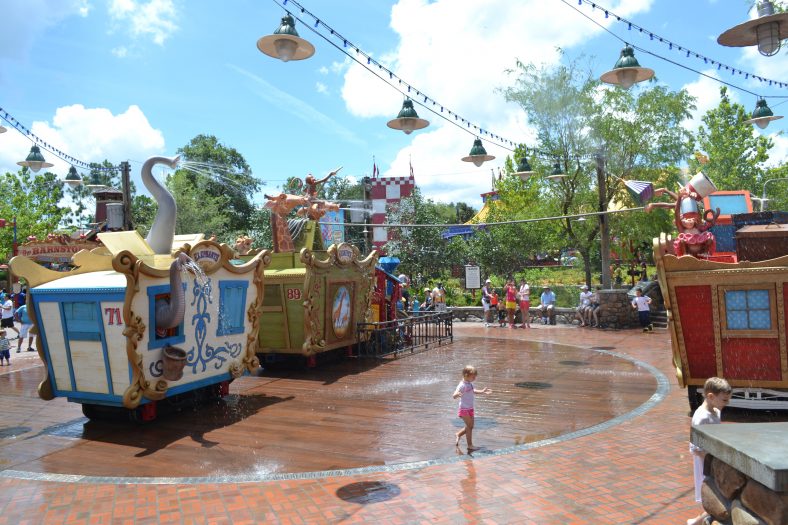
465 412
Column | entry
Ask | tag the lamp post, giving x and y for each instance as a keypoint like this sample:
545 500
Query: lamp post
604 230
763 195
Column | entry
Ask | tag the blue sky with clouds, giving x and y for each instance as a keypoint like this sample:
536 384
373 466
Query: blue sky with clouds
128 79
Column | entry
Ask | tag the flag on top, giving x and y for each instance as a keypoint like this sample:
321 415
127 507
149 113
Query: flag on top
411 167
375 171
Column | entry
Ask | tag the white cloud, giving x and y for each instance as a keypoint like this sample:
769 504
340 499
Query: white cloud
778 155
297 107
88 134
25 20
457 54
707 96
120 52
154 18
321 88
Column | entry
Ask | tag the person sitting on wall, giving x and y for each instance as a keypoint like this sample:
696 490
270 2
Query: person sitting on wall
581 312
547 305
439 298
593 310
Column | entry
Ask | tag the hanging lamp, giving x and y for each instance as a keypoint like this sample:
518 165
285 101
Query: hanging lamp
478 154
767 31
73 179
285 44
627 70
762 115
524 169
557 172
407 119
35 160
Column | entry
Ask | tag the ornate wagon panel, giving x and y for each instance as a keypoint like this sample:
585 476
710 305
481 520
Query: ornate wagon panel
727 319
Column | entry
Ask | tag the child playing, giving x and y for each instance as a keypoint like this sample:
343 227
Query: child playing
466 392
717 395
5 349
494 305
642 303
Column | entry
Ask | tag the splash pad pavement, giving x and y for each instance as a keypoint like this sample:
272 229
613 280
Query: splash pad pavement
350 416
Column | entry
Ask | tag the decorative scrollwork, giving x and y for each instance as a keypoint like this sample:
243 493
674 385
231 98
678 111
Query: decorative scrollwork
202 355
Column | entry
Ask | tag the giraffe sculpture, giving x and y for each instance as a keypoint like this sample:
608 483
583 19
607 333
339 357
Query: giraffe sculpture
281 205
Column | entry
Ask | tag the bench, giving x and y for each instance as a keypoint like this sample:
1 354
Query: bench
462 313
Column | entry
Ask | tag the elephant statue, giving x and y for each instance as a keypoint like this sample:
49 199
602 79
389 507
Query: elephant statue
169 312
162 232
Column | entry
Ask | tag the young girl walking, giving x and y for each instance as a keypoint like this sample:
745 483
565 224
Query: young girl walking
466 392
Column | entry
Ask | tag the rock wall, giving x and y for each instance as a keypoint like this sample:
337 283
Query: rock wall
616 311
732 498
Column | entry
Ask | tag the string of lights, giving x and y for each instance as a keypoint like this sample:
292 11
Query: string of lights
407 89
485 224
677 47
418 96
50 148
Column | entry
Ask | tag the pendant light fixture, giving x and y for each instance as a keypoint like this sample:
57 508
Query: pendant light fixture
627 70
557 172
478 154
407 119
762 115
285 44
35 160
73 179
767 31
524 169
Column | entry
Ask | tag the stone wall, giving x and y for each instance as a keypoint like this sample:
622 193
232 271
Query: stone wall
616 310
733 498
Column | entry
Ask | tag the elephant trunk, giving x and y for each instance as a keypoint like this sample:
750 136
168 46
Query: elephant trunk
169 313
162 232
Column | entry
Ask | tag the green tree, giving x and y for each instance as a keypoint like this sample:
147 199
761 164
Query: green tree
736 155
212 168
637 133
422 251
198 211
33 199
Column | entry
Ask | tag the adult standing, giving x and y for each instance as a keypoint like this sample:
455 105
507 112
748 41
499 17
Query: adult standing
547 305
7 319
486 301
525 303
23 318
510 294
439 298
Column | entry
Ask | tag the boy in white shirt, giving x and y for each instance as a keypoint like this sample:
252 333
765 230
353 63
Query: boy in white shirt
642 304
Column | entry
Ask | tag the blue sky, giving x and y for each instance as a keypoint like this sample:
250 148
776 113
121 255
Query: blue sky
128 79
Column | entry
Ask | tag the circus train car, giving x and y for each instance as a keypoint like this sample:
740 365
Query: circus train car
313 300
728 311
124 330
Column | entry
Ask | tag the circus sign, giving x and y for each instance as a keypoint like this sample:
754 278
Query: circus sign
54 251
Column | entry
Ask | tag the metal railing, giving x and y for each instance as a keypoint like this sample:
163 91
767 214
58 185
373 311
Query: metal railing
405 335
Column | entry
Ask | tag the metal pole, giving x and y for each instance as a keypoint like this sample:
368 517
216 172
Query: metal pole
604 231
125 169
763 195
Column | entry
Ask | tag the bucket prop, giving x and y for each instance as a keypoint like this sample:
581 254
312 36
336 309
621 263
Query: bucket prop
640 190
173 359
689 208
701 185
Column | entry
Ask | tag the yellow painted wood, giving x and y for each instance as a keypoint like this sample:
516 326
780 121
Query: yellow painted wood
50 314
90 373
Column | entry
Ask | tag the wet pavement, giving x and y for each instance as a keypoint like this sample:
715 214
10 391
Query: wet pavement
583 426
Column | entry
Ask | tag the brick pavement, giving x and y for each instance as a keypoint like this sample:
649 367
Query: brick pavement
634 472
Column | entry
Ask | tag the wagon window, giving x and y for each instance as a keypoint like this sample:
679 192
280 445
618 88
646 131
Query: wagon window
748 310
159 338
82 321
232 305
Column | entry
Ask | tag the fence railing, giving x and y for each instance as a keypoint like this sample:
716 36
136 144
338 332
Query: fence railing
406 335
